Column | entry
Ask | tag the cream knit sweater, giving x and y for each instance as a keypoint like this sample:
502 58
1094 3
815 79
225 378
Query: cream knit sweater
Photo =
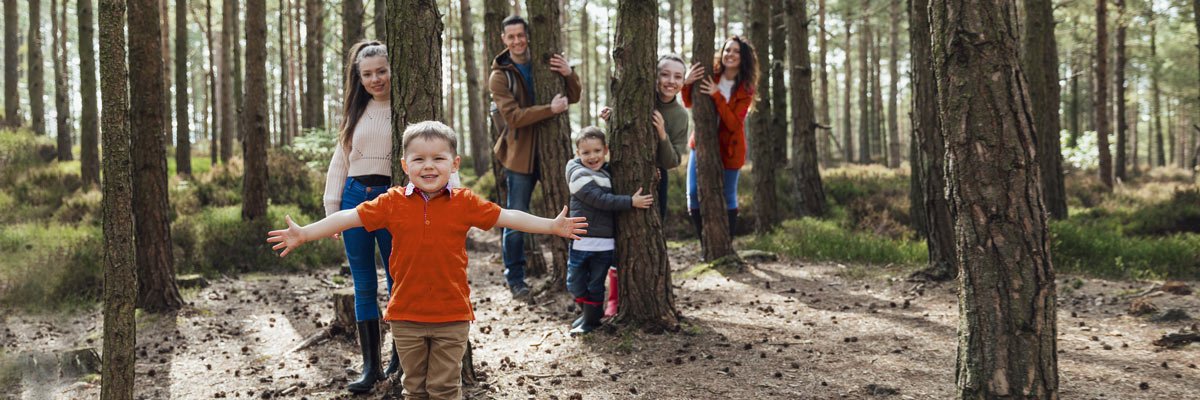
370 153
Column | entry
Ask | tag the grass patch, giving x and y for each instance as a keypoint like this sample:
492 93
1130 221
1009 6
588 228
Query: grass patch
200 164
1098 247
50 266
825 240
721 266
217 241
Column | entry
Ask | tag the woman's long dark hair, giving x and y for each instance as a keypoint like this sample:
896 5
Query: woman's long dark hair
747 70
357 96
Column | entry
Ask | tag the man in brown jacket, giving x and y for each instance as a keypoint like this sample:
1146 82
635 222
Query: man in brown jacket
511 85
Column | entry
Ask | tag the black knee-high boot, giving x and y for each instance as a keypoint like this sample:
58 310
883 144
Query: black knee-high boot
368 342
696 222
733 219
394 363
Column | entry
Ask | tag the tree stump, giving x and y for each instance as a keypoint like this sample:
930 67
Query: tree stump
343 313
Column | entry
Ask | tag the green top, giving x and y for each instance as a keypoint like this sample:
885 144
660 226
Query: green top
675 122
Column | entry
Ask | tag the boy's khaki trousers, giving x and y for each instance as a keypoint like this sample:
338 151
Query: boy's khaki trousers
431 356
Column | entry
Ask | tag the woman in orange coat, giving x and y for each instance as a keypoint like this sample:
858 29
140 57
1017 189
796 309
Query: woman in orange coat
736 70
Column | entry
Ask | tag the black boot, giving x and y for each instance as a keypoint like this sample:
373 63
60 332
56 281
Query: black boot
697 223
393 364
368 342
733 219
591 319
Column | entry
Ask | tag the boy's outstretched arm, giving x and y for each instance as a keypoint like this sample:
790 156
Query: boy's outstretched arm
562 225
295 235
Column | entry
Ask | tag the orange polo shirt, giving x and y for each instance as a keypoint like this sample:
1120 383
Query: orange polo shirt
429 250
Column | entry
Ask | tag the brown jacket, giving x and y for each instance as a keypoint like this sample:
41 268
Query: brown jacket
515 150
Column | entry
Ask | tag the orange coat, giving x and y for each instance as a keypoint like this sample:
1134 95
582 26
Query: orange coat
731 132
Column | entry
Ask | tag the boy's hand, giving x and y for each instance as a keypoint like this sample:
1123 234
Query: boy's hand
642 200
569 227
287 239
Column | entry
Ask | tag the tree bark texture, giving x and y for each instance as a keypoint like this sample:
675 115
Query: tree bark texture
314 94
58 50
877 119
352 25
494 12
1007 320
89 134
762 139
480 149
255 139
779 91
165 47
864 93
1158 149
1100 104
156 265
215 54
810 192
225 71
239 88
37 82
415 40
553 148
1039 60
646 295
1119 71
183 141
715 239
380 19
12 111
847 121
826 146
120 273
1196 20
1076 126
929 165
893 117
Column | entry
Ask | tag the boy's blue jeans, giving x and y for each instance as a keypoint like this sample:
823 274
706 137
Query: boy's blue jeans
520 190
586 271
360 252
731 182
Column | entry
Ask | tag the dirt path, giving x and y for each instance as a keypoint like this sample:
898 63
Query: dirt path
780 330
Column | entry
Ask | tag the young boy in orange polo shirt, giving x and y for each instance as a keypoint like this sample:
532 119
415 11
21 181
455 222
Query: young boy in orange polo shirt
430 307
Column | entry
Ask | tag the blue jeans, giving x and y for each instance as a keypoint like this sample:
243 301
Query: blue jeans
520 190
586 271
360 252
731 182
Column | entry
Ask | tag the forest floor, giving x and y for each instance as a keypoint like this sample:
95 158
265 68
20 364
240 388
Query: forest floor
779 330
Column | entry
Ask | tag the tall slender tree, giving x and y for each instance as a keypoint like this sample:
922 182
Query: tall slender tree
553 146
847 121
763 141
165 47
1157 149
1100 102
779 91
1039 60
215 63
36 82
893 117
314 47
877 119
1119 72
120 273
156 266
12 117
255 139
285 72
928 162
58 51
494 12
225 72
89 132
352 24
183 139
586 54
716 240
480 151
1007 330
810 193
646 294
864 92
824 148
236 55
380 18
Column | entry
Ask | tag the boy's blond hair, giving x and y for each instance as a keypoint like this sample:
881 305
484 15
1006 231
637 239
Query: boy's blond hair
430 130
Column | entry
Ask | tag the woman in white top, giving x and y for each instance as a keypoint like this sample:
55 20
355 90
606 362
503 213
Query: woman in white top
360 171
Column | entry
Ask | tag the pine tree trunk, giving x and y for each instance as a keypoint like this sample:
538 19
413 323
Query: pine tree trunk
716 238
1007 326
877 117
824 149
893 118
494 12
37 82
255 140
415 35
480 151
380 19
215 56
864 93
585 38
779 91
1157 149
239 88
810 193
553 148
1122 122
285 70
58 34
299 104
646 294
120 273
1040 63
1134 145
928 163
156 265
165 47
1101 100
12 117
672 8
761 137
847 121
1195 128
183 141
228 113
314 46
352 25
1076 126
89 135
